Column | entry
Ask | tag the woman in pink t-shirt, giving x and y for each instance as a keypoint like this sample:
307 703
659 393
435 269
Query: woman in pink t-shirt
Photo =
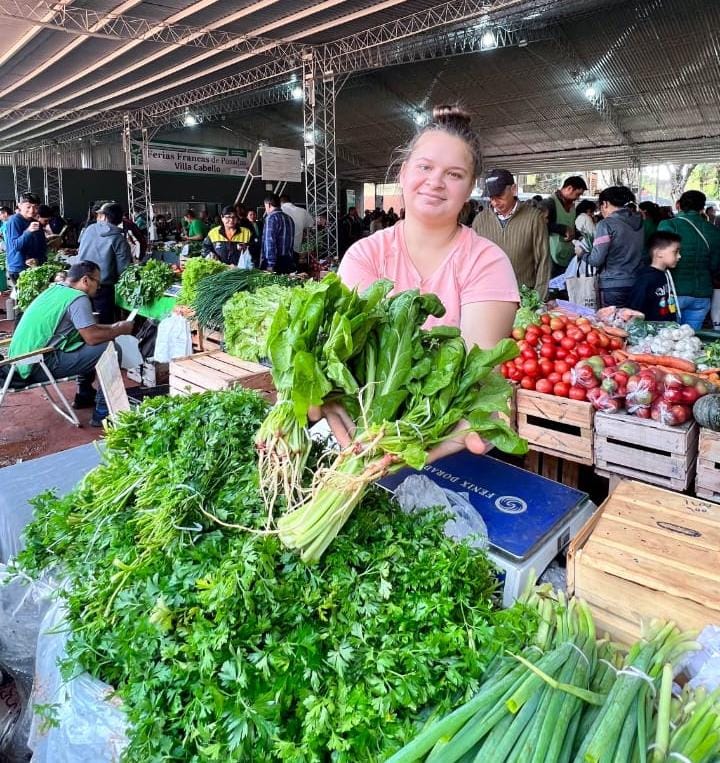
429 249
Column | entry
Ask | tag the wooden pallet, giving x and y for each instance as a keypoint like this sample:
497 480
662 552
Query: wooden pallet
646 450
648 553
556 426
707 477
217 370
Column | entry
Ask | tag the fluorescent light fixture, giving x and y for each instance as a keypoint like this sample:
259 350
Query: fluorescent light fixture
297 93
488 41
190 120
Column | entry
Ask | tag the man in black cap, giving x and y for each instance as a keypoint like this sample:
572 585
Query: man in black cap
105 244
518 229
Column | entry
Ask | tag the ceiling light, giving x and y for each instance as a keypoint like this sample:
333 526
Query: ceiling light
190 120
420 118
309 138
591 91
293 77
297 93
488 41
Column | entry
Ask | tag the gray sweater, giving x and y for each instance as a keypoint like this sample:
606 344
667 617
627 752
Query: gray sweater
618 249
105 245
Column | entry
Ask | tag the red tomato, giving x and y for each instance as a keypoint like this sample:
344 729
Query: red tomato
593 338
546 366
561 389
546 339
561 354
577 393
557 323
545 386
518 362
604 340
527 383
528 354
531 368
561 366
585 327
545 329
515 374
616 343
571 359
567 377
523 344
545 319
567 343
584 350
518 333
574 333
642 412
690 395
554 377
621 378
547 351
532 335
558 335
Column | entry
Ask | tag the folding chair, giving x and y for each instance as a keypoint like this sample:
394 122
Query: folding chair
37 356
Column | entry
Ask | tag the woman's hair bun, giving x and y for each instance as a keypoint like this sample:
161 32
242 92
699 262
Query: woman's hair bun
451 115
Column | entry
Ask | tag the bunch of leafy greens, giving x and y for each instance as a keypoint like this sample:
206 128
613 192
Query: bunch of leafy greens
141 285
530 306
34 281
214 291
406 389
221 643
196 269
247 316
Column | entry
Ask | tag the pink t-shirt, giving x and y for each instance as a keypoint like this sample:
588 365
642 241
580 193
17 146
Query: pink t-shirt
475 270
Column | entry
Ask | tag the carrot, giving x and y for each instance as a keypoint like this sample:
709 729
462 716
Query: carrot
614 331
709 371
676 364
620 355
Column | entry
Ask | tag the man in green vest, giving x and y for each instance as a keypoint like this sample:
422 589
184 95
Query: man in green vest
561 222
62 317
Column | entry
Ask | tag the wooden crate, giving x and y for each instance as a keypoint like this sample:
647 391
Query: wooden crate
707 478
646 450
556 425
648 553
217 370
155 373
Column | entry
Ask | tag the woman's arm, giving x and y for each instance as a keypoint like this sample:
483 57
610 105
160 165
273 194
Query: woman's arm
486 323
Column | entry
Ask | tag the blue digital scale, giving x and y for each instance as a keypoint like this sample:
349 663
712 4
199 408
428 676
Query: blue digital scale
529 518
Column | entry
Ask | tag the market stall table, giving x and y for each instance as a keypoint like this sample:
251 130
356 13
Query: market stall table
159 309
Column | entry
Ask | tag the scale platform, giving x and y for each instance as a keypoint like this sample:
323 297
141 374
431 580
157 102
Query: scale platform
529 518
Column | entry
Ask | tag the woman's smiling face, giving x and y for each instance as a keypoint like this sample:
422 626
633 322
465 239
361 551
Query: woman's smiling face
437 177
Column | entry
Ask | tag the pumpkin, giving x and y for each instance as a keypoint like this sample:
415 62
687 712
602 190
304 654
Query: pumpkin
706 411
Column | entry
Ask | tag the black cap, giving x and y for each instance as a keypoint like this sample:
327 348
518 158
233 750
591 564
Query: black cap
496 181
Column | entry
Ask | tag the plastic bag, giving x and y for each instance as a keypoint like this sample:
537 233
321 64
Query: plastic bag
245 261
88 722
703 667
603 401
173 339
670 414
715 310
417 493
643 390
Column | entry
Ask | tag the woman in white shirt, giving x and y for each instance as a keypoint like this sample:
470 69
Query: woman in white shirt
584 223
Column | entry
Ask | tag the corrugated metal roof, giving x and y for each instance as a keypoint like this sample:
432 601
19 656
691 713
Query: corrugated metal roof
656 63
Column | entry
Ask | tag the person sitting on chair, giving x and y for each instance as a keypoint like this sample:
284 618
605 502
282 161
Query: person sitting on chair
61 317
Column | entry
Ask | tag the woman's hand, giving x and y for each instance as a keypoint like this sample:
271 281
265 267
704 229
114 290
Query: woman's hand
340 423
463 440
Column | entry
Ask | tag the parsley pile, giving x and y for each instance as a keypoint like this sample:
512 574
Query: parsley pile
223 644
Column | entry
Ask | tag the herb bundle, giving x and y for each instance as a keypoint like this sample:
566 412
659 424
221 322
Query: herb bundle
34 281
141 285
407 390
196 270
222 645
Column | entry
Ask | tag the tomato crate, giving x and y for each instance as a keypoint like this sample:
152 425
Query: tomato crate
648 553
707 478
646 450
556 425
217 370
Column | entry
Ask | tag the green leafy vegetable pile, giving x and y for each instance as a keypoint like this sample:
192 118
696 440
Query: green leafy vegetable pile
247 316
405 388
214 291
33 281
141 285
222 644
197 269
530 306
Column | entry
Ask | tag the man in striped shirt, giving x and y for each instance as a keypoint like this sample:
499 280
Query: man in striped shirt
518 229
278 253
